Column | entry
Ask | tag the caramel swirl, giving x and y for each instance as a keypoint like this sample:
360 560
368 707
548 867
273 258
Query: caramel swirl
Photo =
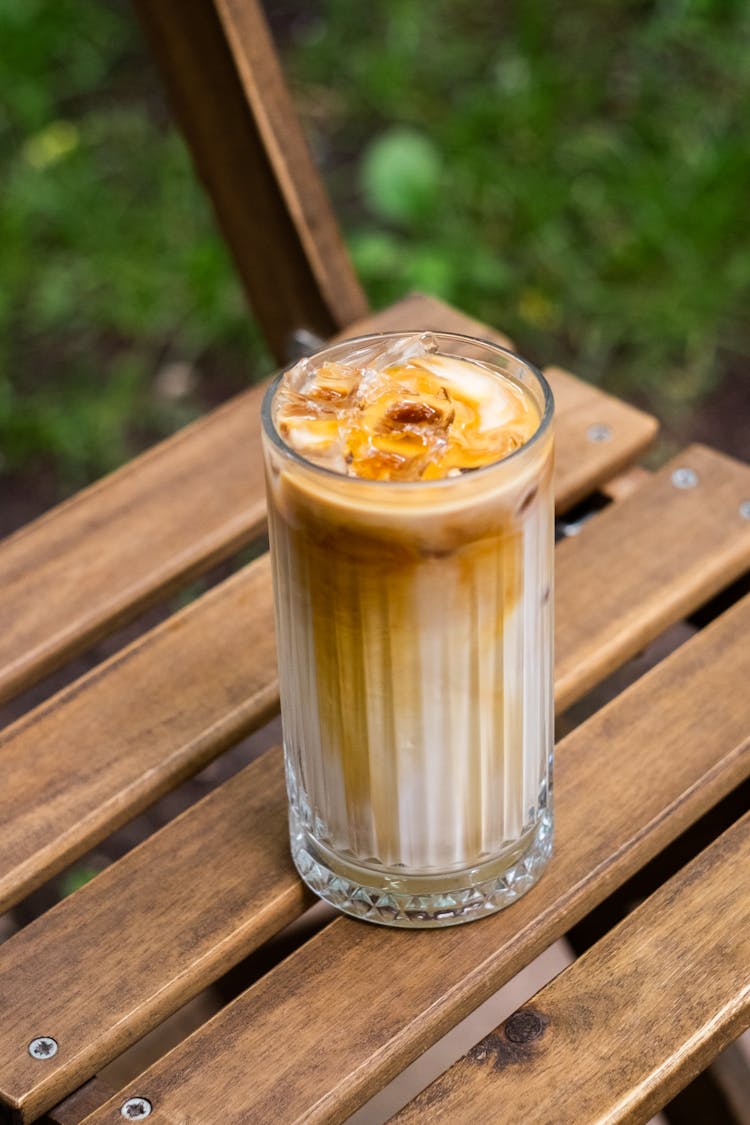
425 418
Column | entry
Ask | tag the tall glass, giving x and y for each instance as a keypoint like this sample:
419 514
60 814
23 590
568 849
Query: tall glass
414 626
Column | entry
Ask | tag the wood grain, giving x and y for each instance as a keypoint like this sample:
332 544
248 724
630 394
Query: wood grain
86 761
148 933
664 548
621 1031
341 1016
91 757
101 557
97 560
232 104
583 459
79 1104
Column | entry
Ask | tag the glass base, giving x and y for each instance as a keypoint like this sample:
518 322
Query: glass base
413 901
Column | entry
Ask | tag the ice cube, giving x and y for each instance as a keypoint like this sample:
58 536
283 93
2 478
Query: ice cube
297 379
396 433
327 383
389 353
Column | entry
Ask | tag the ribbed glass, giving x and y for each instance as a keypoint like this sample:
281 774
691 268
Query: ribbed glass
414 625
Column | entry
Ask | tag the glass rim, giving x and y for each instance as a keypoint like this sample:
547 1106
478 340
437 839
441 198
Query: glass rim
273 434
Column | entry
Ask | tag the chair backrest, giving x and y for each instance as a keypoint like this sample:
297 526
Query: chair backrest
234 109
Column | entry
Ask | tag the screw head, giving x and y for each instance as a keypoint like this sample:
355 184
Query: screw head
745 509
134 1109
43 1047
684 478
599 431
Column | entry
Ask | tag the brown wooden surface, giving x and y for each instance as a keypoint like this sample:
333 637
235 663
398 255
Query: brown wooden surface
625 483
665 549
341 1016
97 560
579 460
91 757
92 562
199 680
233 107
88 760
115 958
77 1105
616 1035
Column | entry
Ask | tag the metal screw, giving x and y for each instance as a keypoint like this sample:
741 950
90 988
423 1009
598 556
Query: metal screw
136 1108
43 1047
599 431
684 478
745 509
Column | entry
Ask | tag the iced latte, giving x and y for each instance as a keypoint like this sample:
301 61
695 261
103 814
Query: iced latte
409 487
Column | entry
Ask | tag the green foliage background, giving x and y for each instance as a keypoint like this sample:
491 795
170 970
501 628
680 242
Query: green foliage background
110 264
574 174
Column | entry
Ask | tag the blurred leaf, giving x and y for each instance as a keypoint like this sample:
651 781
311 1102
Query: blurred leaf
431 269
74 879
401 175
591 203
51 144
375 253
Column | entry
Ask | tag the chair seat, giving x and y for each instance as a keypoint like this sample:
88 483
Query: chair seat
333 1022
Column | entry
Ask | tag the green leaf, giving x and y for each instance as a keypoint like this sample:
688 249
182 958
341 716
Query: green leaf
431 270
401 173
74 879
375 253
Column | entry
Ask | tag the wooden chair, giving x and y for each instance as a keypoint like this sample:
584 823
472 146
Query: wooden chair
628 1024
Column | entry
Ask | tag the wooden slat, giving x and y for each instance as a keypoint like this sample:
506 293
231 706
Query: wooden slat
232 104
386 992
665 548
148 933
625 483
97 560
79 1104
101 750
87 761
54 805
621 1031
343 1014
584 458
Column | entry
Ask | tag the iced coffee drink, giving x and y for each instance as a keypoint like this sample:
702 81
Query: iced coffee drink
410 508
